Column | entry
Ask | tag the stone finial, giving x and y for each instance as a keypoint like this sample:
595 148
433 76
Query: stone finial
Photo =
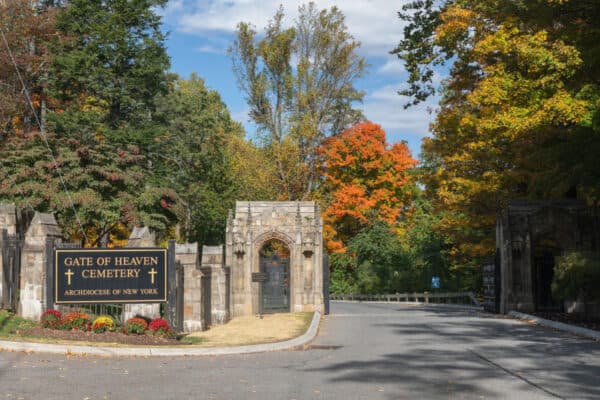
298 215
141 236
44 224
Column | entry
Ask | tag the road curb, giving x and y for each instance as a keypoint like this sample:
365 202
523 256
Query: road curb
592 334
415 303
305 338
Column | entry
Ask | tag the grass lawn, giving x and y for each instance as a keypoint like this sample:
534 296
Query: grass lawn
253 329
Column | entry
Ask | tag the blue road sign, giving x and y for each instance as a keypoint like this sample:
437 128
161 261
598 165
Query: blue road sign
435 282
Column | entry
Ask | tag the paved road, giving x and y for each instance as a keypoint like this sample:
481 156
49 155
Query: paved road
363 351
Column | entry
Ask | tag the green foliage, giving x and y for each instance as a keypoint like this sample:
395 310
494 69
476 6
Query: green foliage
193 155
108 63
374 262
296 106
104 181
11 324
517 112
111 54
577 275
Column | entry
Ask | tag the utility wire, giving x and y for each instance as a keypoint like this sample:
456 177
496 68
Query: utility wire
43 134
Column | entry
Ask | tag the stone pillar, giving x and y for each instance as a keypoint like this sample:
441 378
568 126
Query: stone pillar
141 237
212 257
187 255
33 265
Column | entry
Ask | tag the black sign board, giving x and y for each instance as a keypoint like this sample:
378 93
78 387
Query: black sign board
259 277
110 275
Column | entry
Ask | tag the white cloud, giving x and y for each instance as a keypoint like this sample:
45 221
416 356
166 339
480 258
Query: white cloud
385 107
210 49
392 67
373 22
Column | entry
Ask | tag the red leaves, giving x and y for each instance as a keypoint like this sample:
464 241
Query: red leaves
367 179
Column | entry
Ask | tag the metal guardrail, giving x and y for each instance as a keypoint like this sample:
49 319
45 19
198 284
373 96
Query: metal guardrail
425 297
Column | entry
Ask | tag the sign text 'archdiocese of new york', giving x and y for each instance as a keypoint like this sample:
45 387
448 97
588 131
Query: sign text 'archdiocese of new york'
110 275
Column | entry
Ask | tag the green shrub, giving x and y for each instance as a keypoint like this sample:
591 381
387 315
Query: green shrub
577 275
11 324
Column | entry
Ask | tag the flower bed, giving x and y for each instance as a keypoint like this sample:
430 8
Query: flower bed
77 326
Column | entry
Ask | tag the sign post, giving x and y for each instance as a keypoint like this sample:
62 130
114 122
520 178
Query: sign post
110 276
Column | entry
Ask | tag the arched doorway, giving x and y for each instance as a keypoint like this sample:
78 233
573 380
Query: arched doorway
274 264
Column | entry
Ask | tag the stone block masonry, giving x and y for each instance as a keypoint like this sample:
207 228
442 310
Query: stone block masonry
32 287
187 255
141 237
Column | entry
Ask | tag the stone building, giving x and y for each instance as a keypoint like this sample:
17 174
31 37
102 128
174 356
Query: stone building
529 235
275 252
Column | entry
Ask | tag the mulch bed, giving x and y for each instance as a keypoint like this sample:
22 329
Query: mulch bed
571 319
105 337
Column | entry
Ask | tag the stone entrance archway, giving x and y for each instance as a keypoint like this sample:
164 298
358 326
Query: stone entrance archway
298 226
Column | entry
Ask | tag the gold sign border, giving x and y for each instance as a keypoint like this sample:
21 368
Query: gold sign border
56 251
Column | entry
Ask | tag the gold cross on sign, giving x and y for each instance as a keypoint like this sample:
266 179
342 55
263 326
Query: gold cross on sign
152 272
69 274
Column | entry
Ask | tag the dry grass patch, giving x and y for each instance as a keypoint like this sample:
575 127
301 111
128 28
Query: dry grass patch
252 329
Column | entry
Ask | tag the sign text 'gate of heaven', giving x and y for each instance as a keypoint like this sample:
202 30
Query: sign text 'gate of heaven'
110 275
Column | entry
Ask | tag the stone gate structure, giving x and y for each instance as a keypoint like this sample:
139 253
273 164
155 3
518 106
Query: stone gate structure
211 283
299 228
529 235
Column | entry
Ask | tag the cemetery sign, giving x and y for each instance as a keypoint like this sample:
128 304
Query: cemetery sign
110 275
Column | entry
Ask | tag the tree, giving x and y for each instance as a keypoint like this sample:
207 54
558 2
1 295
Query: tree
296 106
193 156
105 189
108 65
366 180
519 111
23 56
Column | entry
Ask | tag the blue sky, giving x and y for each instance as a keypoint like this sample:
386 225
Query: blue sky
200 31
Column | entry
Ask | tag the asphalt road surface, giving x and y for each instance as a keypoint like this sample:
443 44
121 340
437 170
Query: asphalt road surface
363 351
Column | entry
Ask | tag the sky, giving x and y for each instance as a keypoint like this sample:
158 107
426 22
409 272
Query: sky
200 31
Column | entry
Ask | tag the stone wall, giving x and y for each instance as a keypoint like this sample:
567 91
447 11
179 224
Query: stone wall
141 237
527 231
32 296
187 255
213 264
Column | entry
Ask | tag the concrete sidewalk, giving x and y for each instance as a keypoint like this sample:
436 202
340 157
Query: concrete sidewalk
164 351
577 330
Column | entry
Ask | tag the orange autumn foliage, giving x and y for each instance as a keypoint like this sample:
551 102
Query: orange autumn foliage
367 179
